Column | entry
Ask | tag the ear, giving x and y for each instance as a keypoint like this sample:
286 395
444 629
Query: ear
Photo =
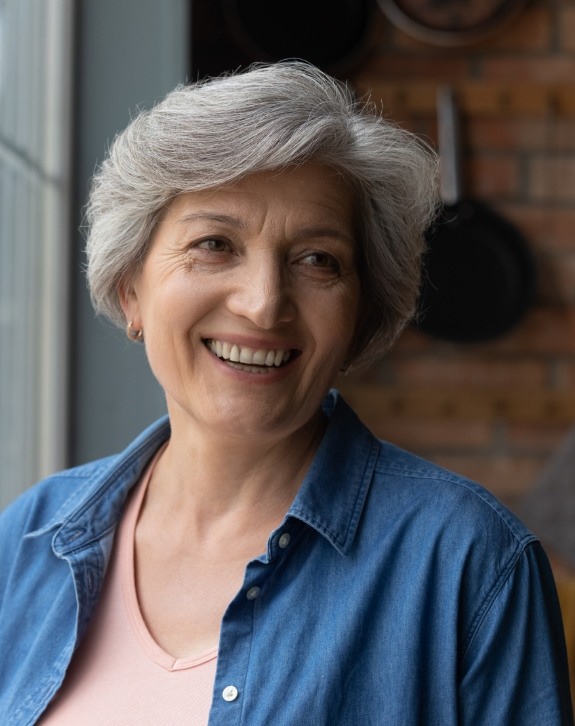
128 299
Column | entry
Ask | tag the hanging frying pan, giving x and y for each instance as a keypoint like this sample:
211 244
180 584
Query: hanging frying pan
451 22
479 273
334 35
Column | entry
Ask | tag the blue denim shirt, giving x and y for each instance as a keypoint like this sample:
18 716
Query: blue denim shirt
394 592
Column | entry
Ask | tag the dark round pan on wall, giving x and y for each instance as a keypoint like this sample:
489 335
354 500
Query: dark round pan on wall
452 22
334 35
479 273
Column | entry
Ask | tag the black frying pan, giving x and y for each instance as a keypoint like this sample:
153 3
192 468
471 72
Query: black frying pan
332 34
452 22
479 274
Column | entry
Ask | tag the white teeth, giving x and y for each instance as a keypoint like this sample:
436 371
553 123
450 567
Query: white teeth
235 354
246 356
247 368
259 358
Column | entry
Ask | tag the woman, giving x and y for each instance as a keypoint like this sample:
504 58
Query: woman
259 557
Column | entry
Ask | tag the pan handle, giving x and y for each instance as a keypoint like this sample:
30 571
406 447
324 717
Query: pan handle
449 148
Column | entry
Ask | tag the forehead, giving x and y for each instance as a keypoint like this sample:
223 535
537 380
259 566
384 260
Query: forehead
311 190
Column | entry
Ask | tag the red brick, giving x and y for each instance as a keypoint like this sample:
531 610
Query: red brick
386 67
531 32
544 331
492 177
433 435
467 371
508 477
520 156
564 273
403 42
567 29
553 286
543 69
552 179
521 134
566 374
414 341
549 229
533 439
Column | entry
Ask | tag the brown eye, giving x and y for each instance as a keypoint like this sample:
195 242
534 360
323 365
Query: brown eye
321 260
213 244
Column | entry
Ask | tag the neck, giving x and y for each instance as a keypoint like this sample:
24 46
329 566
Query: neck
203 477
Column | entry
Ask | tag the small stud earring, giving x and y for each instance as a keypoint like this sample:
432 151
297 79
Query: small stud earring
133 334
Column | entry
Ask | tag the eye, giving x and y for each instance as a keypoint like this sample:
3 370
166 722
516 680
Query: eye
213 244
321 260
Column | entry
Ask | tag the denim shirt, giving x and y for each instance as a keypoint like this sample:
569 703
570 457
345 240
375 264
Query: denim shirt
394 592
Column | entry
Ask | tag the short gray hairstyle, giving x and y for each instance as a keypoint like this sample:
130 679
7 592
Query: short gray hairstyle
270 117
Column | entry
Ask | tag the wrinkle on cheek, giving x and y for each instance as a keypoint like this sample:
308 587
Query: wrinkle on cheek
169 262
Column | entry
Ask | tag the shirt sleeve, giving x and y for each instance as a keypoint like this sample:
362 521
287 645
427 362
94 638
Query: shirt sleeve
515 669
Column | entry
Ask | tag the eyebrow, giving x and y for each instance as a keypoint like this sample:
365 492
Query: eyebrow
238 223
228 219
327 232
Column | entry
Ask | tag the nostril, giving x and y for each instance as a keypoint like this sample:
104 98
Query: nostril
264 304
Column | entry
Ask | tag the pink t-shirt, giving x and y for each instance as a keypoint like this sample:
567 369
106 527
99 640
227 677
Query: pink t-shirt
120 675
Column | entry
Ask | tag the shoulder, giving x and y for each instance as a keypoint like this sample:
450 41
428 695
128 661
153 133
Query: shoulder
444 526
400 495
432 484
54 499
49 499
446 509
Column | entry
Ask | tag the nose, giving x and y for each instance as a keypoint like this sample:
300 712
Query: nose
261 293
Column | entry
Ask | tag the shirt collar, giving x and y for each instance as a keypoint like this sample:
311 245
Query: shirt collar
333 493
330 500
98 506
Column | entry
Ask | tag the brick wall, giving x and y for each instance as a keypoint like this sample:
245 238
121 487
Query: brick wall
494 411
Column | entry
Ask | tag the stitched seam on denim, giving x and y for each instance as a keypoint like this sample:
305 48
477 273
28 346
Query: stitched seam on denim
42 691
249 658
493 592
468 485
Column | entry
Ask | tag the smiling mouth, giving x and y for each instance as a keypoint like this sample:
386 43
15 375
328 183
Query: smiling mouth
252 360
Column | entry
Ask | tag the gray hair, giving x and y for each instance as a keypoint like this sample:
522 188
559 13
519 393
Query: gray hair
270 117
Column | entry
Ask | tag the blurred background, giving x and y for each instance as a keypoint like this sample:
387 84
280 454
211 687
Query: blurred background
495 402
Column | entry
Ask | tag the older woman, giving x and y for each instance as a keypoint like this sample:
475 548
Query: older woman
258 557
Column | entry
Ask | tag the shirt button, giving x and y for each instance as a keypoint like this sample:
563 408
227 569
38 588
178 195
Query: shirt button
253 593
284 540
230 693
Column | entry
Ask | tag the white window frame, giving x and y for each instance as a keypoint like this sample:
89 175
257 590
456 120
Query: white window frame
36 86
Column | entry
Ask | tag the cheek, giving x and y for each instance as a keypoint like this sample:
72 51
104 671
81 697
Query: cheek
336 325
349 311
174 304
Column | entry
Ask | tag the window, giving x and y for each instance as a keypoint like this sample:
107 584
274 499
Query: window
35 151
